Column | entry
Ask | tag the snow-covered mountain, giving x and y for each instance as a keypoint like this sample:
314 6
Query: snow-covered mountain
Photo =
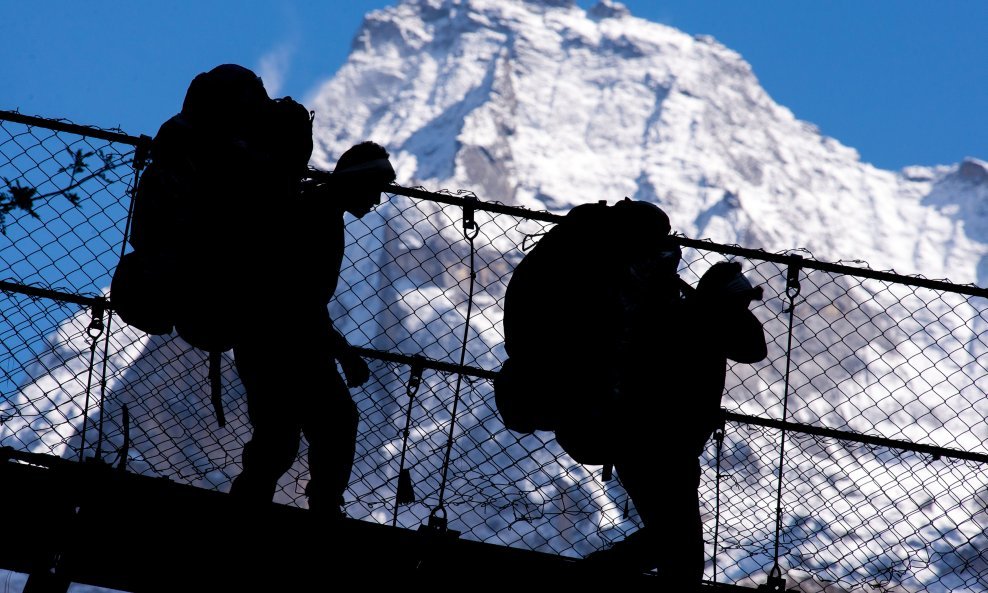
546 106
543 105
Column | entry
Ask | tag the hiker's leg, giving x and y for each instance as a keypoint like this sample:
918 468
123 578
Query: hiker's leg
331 430
665 495
269 454
640 478
274 441
683 555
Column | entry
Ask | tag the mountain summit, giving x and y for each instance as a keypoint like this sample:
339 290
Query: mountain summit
545 105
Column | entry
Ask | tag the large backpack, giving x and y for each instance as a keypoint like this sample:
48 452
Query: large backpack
218 175
572 316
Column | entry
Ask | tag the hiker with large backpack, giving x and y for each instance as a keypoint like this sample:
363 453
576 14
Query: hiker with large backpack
234 249
572 313
610 349
678 385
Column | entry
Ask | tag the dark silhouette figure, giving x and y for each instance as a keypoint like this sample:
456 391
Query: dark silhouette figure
674 387
569 313
287 362
235 246
626 363
200 202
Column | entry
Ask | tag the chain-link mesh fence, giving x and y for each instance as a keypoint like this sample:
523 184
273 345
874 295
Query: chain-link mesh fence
854 516
870 401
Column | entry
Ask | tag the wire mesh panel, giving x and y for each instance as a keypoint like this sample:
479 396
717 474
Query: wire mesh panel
867 356
428 273
856 354
64 198
46 382
871 356
855 517
500 487
172 431
894 360
738 502
406 283
63 206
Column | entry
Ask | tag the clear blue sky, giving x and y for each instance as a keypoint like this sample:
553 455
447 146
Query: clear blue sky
903 81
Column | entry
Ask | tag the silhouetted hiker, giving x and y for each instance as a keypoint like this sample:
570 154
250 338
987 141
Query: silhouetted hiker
221 172
233 250
287 361
570 310
675 385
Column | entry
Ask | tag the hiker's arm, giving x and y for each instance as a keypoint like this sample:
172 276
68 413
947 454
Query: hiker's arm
356 370
748 338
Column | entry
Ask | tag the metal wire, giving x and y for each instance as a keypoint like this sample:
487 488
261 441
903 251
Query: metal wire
792 292
470 232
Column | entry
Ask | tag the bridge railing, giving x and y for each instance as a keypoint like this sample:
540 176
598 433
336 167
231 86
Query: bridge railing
852 457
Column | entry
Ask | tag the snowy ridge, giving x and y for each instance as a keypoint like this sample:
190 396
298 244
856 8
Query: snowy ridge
548 107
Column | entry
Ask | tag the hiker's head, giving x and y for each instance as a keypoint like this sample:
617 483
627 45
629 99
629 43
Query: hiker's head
229 99
368 167
645 218
724 283
643 238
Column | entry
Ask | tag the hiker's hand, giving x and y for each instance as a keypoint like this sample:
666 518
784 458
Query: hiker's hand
356 370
